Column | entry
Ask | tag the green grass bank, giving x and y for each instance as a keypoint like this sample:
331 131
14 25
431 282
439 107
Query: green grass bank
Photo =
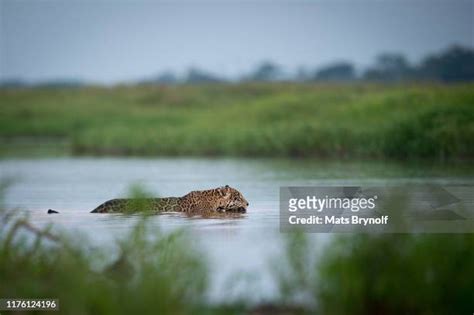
274 119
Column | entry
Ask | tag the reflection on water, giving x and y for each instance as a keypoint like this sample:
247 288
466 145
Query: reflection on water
234 246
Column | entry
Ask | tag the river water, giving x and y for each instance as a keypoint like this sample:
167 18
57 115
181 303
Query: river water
241 248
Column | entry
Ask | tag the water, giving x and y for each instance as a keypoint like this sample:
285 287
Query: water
240 248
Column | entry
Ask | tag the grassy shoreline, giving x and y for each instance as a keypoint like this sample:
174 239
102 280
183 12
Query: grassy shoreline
426 121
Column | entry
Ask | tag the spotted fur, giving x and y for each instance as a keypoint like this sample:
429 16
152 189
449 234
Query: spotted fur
222 199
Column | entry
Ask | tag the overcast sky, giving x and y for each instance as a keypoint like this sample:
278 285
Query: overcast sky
115 41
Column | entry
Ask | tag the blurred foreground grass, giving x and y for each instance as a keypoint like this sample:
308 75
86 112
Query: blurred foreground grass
381 274
279 119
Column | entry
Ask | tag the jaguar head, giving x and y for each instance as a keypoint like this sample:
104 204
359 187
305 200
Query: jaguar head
231 200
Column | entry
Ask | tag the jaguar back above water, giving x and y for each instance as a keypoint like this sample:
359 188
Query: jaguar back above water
217 200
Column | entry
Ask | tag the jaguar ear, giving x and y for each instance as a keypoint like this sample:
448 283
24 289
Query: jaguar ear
224 191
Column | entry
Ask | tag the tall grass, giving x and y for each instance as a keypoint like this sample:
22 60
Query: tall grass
405 121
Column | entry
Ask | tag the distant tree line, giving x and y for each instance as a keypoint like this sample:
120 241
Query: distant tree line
454 64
